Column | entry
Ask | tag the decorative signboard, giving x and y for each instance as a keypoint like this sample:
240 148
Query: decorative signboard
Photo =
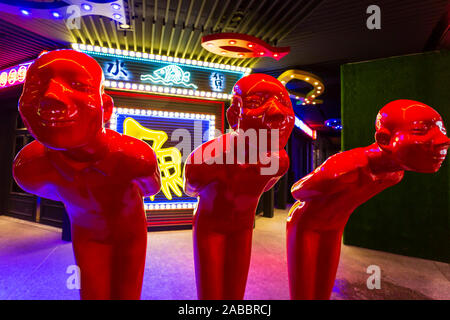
126 70
159 130
14 75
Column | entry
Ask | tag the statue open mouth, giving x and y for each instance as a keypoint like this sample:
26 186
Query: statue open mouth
55 114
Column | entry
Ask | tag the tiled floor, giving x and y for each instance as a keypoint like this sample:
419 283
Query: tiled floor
33 264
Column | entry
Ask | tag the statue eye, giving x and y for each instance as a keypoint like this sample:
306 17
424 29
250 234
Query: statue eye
419 130
283 100
253 101
80 86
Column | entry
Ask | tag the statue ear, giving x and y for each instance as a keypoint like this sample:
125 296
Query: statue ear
233 113
108 105
383 139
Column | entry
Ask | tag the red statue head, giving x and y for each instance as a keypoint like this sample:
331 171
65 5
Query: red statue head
261 102
63 103
414 134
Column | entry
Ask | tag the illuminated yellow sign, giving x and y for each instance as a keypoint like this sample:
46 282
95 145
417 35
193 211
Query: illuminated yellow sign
169 159
312 79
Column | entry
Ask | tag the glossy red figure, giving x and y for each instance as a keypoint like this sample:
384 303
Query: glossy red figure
409 136
99 175
228 181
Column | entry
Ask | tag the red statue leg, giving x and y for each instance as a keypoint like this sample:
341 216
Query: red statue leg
112 270
93 258
237 262
313 258
128 268
329 251
221 263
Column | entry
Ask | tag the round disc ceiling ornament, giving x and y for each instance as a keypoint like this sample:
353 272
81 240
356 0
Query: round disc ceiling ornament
238 45
312 79
335 123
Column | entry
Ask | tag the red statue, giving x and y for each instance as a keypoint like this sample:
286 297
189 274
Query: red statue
99 174
228 175
409 136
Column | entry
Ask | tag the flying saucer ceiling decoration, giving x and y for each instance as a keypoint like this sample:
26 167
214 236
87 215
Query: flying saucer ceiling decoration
302 98
69 10
334 123
238 45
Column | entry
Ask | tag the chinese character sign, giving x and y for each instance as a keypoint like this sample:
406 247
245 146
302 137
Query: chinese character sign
116 69
217 81
169 159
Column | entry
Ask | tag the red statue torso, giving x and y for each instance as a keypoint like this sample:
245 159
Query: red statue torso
344 180
237 187
97 194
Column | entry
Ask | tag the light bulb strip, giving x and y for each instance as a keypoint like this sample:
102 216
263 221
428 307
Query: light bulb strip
170 206
211 118
143 56
140 87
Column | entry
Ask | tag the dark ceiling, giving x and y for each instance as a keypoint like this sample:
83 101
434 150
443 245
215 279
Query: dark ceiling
322 34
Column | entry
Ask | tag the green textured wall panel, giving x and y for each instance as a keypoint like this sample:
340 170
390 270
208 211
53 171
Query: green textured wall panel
413 217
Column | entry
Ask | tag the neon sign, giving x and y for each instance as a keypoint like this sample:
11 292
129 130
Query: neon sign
116 69
170 75
315 81
179 78
217 81
169 159
14 75
155 127
302 126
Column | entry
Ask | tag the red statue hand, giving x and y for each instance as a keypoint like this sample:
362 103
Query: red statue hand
99 175
409 136
228 175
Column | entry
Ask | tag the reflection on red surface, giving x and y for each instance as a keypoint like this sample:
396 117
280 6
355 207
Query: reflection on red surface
409 136
99 175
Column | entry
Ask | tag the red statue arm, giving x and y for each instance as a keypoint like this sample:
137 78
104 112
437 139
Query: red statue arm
284 166
323 180
197 173
144 164
32 171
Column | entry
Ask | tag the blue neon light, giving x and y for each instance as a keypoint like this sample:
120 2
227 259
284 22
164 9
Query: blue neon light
86 7
170 75
94 53
217 81
116 70
334 123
